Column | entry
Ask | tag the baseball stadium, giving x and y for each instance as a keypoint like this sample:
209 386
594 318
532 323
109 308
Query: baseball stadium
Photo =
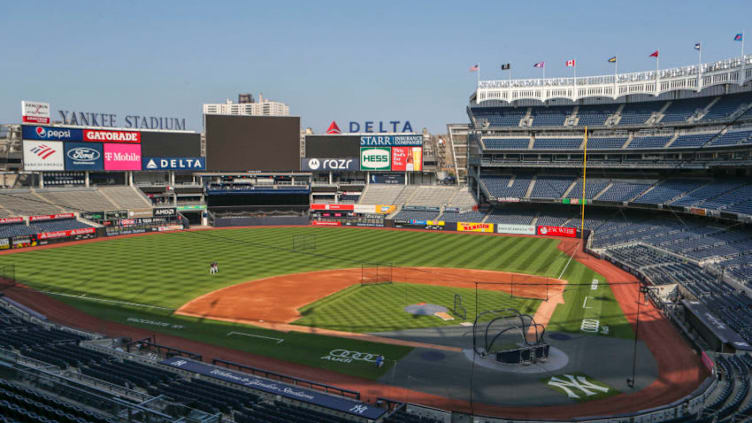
577 250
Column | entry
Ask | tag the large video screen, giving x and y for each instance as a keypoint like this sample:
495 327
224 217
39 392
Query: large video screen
170 144
332 146
243 143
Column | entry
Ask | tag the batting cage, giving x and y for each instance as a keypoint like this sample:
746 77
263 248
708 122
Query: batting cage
376 274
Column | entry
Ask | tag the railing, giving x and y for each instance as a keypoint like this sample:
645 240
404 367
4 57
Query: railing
289 379
730 71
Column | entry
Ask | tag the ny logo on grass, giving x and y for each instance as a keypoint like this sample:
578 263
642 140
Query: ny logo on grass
576 382
360 409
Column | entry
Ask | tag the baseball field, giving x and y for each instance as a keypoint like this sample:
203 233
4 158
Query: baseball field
296 293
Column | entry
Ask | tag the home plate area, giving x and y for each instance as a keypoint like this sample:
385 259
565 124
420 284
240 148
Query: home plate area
425 309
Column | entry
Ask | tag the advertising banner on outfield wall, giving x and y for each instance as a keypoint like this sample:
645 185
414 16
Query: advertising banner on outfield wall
503 228
6 220
475 227
104 135
435 222
557 231
342 207
325 223
83 156
4 243
365 208
122 156
391 141
43 155
384 209
66 233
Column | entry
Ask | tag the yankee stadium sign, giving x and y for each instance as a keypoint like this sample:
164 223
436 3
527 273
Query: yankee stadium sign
111 120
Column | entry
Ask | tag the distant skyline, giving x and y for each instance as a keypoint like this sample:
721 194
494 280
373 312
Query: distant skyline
335 60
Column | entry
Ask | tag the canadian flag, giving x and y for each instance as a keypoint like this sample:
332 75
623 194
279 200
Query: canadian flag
570 63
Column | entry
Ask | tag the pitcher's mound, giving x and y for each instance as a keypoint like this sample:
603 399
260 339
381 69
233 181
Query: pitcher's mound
424 309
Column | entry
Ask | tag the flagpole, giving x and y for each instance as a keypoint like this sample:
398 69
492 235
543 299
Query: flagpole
544 70
584 181
657 78
477 75
616 77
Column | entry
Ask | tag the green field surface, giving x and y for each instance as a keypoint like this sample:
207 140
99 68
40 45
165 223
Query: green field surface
168 270
380 308
300 348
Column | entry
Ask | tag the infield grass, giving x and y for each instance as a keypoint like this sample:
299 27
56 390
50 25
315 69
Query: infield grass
381 308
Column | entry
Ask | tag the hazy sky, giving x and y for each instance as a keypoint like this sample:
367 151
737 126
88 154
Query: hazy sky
333 60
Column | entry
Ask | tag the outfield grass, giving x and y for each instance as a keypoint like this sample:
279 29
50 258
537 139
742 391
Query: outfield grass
170 269
380 308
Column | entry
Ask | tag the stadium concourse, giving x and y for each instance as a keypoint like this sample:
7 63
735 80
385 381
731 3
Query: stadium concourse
667 200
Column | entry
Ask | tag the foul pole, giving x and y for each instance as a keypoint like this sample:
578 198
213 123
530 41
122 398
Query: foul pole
584 181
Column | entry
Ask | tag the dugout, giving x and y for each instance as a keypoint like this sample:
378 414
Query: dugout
715 332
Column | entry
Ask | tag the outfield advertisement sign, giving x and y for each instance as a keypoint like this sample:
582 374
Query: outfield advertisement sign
174 163
83 156
407 159
391 141
339 207
104 135
122 156
44 217
325 223
51 133
475 227
43 155
375 158
297 393
7 220
191 208
326 164
165 212
66 233
503 228
557 231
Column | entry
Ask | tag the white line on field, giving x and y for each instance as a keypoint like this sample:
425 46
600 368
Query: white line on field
102 300
565 267
584 303
279 340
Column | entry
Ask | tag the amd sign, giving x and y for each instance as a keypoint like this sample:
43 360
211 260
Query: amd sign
165 211
316 164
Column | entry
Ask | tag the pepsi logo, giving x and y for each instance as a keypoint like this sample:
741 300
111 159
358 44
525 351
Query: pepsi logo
40 131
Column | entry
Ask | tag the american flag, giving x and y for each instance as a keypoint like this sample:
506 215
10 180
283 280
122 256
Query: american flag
474 68
539 64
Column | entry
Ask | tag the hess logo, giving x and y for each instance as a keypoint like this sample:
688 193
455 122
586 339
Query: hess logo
374 157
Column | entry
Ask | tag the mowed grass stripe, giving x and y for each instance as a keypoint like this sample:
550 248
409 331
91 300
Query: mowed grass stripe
168 270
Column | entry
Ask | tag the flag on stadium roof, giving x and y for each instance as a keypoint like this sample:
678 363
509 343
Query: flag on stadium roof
698 46
654 54
539 64
506 66
612 59
739 36
474 68
570 63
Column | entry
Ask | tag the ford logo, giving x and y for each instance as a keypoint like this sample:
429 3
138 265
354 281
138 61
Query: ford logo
83 153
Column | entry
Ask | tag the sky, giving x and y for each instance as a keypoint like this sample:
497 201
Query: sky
334 60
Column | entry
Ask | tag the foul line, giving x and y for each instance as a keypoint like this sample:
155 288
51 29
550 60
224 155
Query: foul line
279 340
565 267
102 300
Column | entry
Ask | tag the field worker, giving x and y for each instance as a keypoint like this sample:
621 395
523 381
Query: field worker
380 361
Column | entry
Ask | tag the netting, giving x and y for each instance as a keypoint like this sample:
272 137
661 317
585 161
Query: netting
376 274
